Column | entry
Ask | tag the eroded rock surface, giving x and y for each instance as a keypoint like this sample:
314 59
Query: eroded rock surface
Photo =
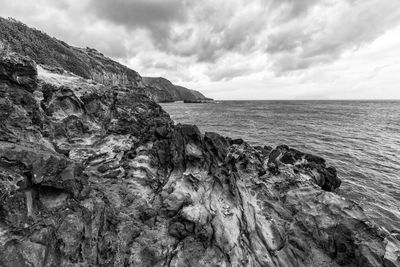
92 175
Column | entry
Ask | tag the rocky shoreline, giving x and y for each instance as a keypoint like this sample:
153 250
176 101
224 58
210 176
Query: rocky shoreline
199 101
96 175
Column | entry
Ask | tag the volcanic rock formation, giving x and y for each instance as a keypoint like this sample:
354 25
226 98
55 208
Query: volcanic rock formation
95 175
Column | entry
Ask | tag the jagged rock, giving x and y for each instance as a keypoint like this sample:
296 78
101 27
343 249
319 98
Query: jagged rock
216 144
70 236
42 167
180 229
18 70
392 253
314 166
93 175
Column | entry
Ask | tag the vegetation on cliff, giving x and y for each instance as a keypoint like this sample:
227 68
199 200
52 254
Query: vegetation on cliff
178 93
87 62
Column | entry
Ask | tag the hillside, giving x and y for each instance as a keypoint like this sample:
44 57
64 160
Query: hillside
178 93
86 62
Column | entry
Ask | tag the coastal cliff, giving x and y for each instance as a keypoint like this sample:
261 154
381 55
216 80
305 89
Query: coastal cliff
86 62
99 175
178 93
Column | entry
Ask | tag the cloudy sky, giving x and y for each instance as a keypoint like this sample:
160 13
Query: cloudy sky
238 49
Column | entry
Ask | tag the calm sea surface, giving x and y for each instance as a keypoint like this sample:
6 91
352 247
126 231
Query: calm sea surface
360 138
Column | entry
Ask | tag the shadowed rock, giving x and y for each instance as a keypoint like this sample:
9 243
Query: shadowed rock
18 70
314 166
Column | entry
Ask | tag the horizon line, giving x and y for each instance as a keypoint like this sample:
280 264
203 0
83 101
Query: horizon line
370 99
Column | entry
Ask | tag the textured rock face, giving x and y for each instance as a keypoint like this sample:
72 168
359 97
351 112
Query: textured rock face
18 70
92 175
183 93
158 95
310 165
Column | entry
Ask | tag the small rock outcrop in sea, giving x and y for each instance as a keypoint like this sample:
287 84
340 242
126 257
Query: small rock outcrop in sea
95 175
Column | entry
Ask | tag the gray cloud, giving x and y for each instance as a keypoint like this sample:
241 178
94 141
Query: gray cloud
228 73
293 35
217 28
299 44
158 63
290 9
153 15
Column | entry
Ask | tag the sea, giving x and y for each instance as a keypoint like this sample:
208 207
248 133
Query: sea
361 139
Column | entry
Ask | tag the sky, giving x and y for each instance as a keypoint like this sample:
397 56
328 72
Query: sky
238 49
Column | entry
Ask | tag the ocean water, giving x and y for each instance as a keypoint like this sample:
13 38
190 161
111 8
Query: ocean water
360 138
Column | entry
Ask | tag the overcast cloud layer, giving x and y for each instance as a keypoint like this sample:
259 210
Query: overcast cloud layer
238 49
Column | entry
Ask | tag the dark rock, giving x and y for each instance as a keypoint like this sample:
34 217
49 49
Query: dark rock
70 235
18 70
216 145
315 159
199 101
326 178
238 141
288 158
186 146
162 132
181 229
162 90
331 180
44 167
268 148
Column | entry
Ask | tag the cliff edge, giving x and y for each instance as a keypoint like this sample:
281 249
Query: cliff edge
178 93
86 62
